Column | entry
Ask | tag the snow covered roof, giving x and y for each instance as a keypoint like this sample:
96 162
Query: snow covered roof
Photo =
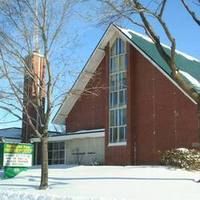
13 132
10 135
146 47
194 83
184 62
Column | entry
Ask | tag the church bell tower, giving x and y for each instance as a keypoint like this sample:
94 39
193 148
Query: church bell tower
34 88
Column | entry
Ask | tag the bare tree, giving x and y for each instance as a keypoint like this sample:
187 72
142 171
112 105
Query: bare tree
192 13
141 14
33 29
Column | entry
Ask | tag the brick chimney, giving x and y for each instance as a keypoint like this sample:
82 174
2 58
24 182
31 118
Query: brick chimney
34 95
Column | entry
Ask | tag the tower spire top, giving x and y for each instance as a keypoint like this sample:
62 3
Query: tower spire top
36 30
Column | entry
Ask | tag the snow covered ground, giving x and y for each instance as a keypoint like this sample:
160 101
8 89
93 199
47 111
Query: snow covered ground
104 183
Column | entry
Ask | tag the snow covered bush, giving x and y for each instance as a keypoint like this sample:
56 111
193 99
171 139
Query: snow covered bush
182 158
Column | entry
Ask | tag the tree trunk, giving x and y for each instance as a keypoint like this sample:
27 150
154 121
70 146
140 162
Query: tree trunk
44 167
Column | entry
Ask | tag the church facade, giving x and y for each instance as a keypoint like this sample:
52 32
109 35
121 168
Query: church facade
126 90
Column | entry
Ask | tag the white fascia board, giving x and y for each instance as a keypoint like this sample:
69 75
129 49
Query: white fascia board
72 137
38 54
92 65
84 77
11 140
88 131
79 87
117 144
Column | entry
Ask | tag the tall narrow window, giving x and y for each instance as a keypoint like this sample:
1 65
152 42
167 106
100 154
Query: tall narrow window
118 92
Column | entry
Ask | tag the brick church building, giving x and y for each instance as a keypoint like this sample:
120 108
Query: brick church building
126 90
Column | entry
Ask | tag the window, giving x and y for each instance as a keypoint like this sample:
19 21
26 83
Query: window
56 152
118 92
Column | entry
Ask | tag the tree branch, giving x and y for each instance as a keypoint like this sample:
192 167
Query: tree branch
192 13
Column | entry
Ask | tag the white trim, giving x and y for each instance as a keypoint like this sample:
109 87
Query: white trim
10 140
117 144
72 137
38 54
79 86
81 82
88 131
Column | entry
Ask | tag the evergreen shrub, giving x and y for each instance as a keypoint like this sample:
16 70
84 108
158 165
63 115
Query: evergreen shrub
182 158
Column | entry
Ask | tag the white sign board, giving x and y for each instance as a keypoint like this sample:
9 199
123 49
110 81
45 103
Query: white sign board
20 160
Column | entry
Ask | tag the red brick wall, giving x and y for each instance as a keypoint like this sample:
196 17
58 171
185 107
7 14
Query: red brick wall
89 110
162 116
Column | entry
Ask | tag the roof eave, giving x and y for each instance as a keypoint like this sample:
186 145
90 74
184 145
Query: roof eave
88 71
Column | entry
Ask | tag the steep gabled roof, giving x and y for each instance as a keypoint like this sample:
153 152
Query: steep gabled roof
189 66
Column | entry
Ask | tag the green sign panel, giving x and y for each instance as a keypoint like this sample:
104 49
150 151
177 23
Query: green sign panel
16 155
10 172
